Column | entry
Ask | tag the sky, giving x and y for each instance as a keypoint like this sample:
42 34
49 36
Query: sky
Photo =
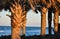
33 19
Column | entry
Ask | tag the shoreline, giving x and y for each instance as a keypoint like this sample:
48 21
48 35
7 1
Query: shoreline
31 37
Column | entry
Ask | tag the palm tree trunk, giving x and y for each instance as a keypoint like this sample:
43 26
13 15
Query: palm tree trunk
24 19
24 23
16 20
49 20
56 20
43 21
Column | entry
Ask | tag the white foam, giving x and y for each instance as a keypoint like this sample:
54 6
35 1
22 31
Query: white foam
1 30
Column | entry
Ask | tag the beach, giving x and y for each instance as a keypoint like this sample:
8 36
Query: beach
32 37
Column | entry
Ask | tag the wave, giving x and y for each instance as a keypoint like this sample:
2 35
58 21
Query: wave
1 30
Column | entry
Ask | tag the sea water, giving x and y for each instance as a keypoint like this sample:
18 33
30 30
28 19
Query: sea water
30 31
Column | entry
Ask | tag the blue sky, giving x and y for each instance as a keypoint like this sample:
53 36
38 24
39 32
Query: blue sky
33 19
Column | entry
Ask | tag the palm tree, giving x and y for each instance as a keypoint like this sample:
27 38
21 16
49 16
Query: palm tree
43 21
16 12
49 19
56 15
18 15
56 20
33 4
46 5
43 11
23 22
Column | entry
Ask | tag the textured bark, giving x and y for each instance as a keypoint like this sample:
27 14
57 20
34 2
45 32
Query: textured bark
58 1
16 20
31 4
24 15
56 20
43 21
24 22
34 3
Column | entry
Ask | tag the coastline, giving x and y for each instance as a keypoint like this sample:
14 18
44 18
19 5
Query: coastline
31 37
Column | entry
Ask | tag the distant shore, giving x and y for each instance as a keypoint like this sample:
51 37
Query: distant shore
32 37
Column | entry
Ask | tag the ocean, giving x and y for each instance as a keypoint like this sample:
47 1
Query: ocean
30 31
